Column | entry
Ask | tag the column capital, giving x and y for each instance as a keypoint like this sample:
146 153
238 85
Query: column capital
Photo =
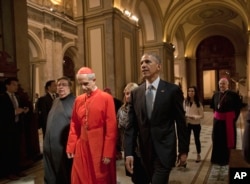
48 34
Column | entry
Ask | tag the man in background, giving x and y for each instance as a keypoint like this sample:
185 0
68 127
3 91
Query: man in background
11 115
118 104
226 105
44 104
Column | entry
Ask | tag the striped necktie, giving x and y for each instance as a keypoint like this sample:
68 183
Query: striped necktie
14 102
15 105
54 96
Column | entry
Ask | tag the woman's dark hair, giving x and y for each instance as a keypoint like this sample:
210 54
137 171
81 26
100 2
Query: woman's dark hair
196 96
48 83
65 78
9 80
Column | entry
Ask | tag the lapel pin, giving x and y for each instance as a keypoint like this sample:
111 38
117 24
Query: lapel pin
162 91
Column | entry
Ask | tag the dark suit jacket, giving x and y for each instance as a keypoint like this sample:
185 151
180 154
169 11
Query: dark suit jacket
158 132
7 111
9 134
44 105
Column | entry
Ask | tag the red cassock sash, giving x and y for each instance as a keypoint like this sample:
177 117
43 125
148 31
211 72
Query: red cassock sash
228 117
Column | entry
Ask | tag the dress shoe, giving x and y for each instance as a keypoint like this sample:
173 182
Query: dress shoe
180 163
119 155
12 177
198 158
20 174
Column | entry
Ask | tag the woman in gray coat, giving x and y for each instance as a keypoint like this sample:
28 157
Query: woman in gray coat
57 167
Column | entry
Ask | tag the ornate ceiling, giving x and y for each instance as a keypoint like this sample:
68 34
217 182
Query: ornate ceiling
190 21
173 20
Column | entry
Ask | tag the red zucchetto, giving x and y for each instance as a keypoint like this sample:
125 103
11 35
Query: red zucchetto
85 70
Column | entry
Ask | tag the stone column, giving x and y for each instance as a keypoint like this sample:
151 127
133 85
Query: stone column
21 44
168 62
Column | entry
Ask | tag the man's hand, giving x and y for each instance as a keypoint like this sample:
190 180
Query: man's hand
26 109
19 111
70 155
129 164
106 160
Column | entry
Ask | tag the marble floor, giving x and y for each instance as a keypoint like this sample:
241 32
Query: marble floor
194 173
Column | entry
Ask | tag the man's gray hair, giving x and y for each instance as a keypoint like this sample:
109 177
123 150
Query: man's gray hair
154 56
91 76
224 79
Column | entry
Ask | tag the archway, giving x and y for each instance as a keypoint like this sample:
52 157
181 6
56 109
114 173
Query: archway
69 70
215 59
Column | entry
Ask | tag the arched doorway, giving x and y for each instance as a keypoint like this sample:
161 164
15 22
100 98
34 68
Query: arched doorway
69 70
215 59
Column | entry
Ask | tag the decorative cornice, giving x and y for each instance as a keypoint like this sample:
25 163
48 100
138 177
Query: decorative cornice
56 20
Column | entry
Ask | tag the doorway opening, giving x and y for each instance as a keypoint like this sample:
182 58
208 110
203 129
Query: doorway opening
215 59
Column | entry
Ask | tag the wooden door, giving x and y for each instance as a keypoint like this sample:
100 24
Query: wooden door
215 54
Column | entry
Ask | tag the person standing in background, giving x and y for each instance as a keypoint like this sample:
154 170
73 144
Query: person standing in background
194 113
156 114
35 100
139 174
57 167
122 114
118 104
11 114
226 105
44 104
93 134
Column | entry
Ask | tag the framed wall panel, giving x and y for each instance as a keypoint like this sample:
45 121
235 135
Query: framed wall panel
95 52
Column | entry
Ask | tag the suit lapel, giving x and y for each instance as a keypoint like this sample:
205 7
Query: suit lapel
141 95
160 93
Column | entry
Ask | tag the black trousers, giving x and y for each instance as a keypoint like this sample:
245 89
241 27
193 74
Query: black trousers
139 176
161 173
197 130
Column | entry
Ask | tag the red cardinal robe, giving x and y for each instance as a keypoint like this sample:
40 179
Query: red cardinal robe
92 136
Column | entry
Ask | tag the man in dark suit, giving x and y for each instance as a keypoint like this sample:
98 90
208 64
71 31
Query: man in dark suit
44 104
11 114
118 104
156 129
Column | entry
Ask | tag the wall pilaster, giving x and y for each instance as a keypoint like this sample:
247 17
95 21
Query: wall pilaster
111 41
58 57
165 52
